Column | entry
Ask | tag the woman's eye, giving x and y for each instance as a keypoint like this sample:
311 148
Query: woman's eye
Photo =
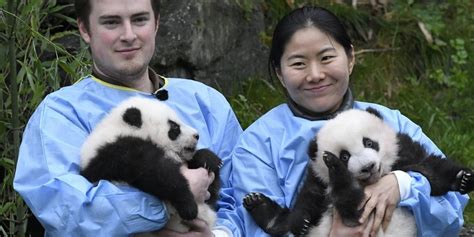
297 65
327 58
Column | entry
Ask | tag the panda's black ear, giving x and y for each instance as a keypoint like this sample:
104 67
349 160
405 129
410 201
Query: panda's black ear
133 117
374 112
312 148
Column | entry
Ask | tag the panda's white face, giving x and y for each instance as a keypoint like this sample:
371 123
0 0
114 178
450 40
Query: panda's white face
147 119
366 144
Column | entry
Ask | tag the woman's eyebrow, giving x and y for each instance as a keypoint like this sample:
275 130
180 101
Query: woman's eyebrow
324 50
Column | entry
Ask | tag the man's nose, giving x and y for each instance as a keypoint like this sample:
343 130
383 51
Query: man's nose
128 33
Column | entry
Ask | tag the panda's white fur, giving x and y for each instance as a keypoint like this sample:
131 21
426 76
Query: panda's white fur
155 126
332 137
356 124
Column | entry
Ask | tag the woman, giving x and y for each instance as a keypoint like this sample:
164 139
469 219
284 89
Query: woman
313 58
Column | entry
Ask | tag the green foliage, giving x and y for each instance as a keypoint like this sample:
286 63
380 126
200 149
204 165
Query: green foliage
39 64
254 99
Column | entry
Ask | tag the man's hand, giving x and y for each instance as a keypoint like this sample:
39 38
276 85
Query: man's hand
199 228
199 181
384 197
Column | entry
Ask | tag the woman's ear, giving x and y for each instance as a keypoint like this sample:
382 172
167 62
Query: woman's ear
351 60
83 30
280 76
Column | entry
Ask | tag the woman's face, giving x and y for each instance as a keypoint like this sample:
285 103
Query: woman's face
315 70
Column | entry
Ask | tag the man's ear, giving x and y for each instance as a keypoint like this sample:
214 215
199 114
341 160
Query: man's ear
157 24
83 30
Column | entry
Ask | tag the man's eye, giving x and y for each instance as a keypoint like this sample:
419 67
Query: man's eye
141 20
110 23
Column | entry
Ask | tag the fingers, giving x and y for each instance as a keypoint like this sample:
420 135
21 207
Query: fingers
378 216
199 181
369 206
198 225
387 218
211 176
198 228
383 215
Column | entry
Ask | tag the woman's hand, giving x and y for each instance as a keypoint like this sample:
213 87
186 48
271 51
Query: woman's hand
383 196
199 228
338 229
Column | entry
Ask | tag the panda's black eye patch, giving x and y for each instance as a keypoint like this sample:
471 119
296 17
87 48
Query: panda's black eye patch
369 143
174 131
345 156
133 117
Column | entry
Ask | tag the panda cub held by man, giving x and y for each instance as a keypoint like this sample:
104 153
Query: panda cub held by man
353 150
143 143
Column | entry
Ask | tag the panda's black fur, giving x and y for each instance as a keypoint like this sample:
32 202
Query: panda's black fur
332 180
143 143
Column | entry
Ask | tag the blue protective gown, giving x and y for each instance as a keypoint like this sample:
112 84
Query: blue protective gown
47 174
271 158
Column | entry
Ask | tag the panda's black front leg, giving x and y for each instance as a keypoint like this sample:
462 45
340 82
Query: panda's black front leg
163 178
310 205
205 158
145 166
345 191
443 174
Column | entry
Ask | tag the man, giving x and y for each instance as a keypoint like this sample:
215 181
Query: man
121 35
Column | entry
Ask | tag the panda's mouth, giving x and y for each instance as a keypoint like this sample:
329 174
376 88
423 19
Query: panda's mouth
187 152
190 149
369 178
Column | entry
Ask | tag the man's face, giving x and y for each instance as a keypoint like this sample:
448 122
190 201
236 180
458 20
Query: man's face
121 35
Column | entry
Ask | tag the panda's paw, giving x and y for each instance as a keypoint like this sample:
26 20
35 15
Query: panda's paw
205 158
302 229
332 161
255 200
464 181
262 209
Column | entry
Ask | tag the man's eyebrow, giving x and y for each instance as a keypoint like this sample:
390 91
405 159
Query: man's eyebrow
105 17
141 14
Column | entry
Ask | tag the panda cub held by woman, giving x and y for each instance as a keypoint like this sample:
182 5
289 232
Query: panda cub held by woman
143 143
353 150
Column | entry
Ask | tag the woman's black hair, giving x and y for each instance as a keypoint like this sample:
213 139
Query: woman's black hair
308 16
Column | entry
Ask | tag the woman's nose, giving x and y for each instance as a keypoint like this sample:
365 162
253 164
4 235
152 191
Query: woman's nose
315 72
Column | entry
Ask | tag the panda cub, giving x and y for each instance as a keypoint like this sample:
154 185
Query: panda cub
353 150
143 143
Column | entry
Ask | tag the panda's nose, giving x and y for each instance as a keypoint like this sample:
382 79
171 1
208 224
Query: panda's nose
368 168
196 136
